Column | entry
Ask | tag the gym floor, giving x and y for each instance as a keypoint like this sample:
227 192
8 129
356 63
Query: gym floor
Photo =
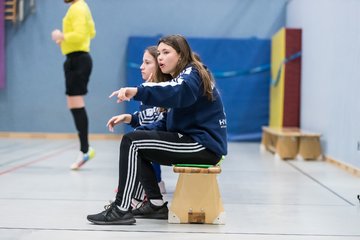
264 198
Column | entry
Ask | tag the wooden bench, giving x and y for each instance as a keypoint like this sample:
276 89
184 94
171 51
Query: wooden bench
290 143
197 197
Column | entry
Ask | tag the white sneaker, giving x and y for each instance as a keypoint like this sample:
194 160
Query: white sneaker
83 158
162 187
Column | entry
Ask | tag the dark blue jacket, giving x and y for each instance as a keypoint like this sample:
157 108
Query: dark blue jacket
189 111
145 115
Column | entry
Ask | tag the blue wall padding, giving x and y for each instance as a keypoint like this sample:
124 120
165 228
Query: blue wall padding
245 96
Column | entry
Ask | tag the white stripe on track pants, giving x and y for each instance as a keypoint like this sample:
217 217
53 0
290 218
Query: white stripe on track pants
141 147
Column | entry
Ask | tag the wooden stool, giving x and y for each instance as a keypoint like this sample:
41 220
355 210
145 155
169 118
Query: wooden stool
310 146
197 197
283 142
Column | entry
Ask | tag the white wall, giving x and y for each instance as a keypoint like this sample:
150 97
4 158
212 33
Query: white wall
330 87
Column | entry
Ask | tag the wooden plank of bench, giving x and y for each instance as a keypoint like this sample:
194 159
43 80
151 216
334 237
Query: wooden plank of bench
210 170
309 134
290 131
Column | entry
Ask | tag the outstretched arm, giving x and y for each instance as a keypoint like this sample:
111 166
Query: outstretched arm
124 94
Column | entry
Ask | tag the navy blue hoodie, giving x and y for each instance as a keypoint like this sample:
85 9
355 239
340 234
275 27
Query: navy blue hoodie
189 111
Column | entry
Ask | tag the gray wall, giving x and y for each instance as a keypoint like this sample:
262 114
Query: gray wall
34 100
330 99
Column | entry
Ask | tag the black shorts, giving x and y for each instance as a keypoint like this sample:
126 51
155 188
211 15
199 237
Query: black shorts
77 68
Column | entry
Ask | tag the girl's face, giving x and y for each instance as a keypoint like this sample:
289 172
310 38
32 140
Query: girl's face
148 66
168 59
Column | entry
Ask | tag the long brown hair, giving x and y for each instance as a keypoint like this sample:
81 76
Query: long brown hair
182 47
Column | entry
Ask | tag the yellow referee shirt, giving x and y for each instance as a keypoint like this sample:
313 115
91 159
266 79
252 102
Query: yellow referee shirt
78 28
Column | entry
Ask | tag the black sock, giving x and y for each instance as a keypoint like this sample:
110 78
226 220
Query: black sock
81 124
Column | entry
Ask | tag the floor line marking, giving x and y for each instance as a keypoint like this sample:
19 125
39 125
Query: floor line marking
43 158
2 164
180 232
321 184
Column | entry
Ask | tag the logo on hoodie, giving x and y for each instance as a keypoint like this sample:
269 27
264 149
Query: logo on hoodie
222 123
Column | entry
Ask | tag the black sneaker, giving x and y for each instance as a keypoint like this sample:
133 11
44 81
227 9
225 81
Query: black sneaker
112 216
149 210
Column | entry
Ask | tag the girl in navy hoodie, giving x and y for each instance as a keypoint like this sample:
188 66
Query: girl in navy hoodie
194 131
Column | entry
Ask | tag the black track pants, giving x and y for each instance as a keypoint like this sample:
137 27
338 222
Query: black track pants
139 148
